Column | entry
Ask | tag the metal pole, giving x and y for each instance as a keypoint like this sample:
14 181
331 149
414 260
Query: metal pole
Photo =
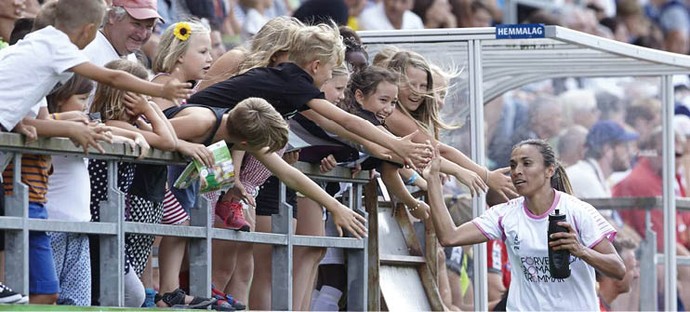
281 279
17 242
669 196
510 12
477 144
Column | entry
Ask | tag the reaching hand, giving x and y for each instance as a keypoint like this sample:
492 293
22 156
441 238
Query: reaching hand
472 180
413 154
238 193
89 135
174 90
499 182
434 167
344 217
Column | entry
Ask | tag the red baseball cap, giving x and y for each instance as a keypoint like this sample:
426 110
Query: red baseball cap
139 9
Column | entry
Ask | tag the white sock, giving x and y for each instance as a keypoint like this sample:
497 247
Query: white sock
328 299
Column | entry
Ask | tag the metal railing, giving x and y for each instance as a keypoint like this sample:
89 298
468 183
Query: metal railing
112 227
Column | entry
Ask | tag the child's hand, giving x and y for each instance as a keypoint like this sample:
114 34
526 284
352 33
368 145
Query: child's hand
136 104
89 135
328 163
198 152
238 193
472 180
26 130
141 141
344 217
357 169
501 183
291 157
432 170
118 139
174 90
413 154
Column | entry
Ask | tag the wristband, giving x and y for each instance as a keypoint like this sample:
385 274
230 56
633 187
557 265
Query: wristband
412 178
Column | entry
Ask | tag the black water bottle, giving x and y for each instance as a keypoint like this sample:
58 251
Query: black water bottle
559 260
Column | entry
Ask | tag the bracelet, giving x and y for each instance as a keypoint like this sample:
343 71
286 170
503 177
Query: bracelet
486 175
413 208
412 178
55 116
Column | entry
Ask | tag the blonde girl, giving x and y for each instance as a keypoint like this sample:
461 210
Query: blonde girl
267 48
184 53
123 111
419 112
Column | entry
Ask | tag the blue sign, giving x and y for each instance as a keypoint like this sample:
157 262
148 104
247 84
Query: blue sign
519 31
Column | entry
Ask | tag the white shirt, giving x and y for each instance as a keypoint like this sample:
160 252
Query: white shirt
30 69
588 180
252 23
532 288
100 52
374 18
69 189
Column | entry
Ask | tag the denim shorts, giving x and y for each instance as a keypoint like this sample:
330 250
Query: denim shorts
42 277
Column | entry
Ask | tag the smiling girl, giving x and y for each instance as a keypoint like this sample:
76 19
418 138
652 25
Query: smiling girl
419 112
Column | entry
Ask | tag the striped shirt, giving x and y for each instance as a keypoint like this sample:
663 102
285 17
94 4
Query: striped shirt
35 171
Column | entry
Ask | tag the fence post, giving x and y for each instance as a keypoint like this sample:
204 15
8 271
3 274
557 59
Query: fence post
372 247
17 242
357 259
200 249
112 249
281 265
648 278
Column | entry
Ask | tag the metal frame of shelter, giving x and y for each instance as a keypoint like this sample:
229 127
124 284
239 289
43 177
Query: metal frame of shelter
499 65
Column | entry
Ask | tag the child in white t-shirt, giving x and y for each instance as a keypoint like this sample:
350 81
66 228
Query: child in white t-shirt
30 69
68 200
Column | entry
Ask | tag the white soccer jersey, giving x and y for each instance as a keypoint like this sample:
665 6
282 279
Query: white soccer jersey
532 288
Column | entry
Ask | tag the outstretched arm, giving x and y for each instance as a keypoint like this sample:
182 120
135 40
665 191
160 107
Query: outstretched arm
448 233
172 90
293 178
412 153
390 177
400 125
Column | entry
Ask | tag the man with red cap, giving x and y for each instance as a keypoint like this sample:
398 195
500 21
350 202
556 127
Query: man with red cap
128 25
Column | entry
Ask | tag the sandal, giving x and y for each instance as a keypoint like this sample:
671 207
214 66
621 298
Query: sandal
176 299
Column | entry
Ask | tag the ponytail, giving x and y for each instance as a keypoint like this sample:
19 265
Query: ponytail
560 180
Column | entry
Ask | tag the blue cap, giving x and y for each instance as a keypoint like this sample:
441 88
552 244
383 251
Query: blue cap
608 131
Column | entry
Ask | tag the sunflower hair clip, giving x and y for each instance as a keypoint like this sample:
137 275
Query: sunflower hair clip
182 31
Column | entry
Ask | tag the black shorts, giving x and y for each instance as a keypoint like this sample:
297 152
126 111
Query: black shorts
267 202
